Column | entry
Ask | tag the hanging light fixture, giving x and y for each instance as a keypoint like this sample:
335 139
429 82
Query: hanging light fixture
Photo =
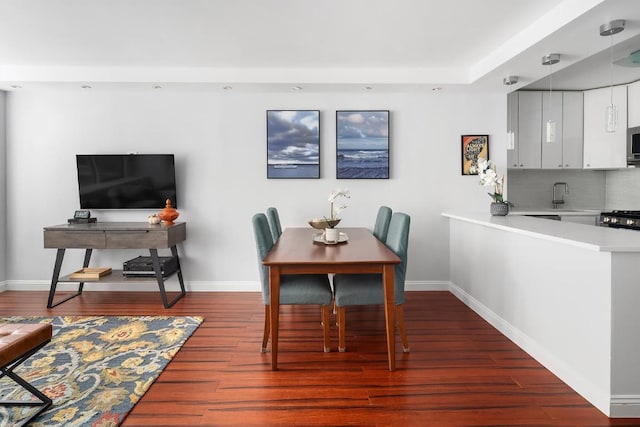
550 125
611 117
511 136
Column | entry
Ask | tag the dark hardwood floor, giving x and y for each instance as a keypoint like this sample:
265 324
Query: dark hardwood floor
460 372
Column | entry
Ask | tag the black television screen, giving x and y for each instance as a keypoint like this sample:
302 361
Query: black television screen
126 181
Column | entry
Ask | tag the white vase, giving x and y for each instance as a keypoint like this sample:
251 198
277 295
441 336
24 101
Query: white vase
331 235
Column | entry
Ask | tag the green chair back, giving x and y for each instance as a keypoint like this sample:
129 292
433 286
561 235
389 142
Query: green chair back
381 227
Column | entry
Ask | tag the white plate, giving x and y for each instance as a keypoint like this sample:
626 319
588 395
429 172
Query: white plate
319 237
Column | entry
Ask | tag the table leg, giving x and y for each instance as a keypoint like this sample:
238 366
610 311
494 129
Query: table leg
388 278
160 279
56 277
274 312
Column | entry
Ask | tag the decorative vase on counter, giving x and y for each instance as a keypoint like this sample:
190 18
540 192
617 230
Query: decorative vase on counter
499 208
168 214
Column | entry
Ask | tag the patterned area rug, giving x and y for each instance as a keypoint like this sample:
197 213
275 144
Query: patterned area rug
95 369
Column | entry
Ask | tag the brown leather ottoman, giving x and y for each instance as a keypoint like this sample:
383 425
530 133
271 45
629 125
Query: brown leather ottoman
18 342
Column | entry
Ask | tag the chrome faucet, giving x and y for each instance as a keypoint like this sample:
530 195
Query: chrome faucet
559 201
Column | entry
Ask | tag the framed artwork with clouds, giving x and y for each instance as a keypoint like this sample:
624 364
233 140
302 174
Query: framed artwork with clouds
293 144
362 144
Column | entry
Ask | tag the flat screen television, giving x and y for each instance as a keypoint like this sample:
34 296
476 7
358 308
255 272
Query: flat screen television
126 181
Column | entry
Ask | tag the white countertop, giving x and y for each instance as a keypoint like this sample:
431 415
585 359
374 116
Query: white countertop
603 239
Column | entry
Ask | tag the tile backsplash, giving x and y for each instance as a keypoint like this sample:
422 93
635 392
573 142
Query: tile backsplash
588 189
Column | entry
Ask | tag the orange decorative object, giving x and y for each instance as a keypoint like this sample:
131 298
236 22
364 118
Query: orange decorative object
168 214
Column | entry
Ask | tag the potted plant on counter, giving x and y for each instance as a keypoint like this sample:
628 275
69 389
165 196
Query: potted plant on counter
486 170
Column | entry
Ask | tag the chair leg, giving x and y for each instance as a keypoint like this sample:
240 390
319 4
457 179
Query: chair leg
341 329
267 329
326 327
403 332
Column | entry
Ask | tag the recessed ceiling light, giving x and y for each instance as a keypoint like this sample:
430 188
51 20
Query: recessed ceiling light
157 87
16 87
227 87
296 88
367 88
85 87
436 89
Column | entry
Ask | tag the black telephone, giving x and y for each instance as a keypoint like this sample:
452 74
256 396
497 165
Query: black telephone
81 217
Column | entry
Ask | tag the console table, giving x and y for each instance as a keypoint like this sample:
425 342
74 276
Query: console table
115 235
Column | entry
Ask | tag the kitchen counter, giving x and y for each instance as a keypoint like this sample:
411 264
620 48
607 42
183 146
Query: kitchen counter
559 212
602 239
564 292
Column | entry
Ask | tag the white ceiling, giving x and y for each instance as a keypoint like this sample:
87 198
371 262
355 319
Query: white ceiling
315 44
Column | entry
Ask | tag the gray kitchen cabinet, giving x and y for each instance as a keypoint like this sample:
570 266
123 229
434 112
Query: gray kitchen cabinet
602 149
634 104
529 130
572 130
533 109
552 110
512 126
566 108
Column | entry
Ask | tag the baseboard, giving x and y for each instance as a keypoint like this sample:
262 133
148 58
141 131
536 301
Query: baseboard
625 406
192 286
598 398
171 285
3 286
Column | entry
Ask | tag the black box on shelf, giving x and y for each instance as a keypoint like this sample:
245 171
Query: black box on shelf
142 266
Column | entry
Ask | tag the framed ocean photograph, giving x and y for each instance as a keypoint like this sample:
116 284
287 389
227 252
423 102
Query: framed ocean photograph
362 144
473 146
293 144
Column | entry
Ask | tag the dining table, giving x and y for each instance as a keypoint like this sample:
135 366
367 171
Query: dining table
301 250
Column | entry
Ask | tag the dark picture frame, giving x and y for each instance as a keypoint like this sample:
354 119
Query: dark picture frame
472 147
293 144
362 144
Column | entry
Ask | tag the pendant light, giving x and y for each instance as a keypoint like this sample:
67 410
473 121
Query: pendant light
611 112
511 136
550 125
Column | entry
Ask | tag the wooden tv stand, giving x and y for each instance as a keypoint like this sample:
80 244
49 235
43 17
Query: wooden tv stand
115 235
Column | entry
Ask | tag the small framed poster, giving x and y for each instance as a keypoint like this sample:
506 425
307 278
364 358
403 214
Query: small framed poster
473 146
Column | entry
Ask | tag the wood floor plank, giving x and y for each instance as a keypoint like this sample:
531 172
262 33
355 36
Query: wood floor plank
460 371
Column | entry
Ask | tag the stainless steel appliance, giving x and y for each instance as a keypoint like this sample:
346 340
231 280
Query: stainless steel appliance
633 146
621 219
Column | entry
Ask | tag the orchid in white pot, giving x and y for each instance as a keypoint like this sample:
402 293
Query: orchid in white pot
334 211
486 170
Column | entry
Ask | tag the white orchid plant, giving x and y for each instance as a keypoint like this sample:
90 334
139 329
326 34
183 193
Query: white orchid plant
486 170
334 209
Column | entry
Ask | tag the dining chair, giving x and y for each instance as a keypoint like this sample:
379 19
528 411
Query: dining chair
381 227
367 289
307 289
274 223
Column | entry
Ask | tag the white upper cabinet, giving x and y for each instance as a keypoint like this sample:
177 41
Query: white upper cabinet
602 149
634 104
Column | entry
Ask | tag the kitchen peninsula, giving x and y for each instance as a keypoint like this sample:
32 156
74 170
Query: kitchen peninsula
566 293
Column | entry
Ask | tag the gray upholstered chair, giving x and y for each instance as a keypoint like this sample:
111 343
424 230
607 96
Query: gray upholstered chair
294 289
274 223
381 227
367 289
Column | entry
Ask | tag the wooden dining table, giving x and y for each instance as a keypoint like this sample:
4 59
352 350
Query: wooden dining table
297 252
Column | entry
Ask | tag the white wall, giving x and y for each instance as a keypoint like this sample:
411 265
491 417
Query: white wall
219 139
3 192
